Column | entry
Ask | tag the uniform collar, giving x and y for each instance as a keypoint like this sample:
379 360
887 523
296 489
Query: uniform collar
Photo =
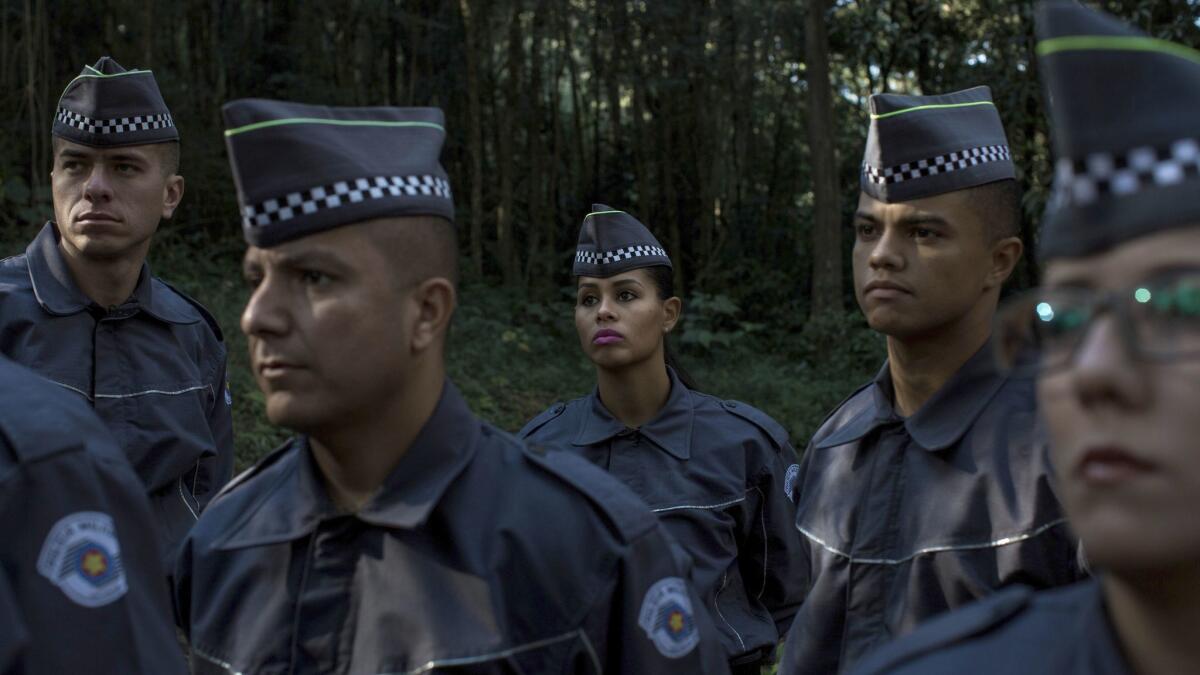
670 430
57 293
945 417
299 501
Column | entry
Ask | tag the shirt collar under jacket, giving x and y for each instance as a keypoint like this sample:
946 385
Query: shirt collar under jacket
57 293
945 417
670 430
299 501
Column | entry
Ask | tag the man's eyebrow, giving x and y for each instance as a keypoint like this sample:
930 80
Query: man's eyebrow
73 153
923 219
865 215
307 258
128 157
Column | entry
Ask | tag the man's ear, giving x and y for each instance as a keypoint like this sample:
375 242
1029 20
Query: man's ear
1006 253
435 300
172 195
672 308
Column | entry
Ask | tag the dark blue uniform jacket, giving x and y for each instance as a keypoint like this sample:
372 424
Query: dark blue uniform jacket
1064 631
905 518
153 369
716 473
477 555
81 582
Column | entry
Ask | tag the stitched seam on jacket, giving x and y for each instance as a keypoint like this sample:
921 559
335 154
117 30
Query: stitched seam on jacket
717 606
482 658
1004 541
152 391
698 507
762 516
215 661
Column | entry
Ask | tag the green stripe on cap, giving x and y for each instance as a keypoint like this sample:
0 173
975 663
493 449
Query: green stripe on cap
601 213
1075 43
318 120
932 106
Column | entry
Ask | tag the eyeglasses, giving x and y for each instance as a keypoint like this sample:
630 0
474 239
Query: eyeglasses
1040 330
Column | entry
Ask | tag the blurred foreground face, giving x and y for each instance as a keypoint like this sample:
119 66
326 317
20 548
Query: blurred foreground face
328 328
620 319
919 265
1120 392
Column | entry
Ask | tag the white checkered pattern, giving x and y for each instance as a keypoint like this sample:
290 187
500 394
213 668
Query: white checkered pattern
342 193
955 161
116 125
624 253
1083 182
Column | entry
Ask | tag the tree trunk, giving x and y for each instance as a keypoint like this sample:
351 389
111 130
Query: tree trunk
474 137
826 227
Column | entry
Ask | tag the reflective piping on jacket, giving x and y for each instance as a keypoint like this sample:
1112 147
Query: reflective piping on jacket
591 650
67 386
717 605
153 391
483 658
932 549
216 662
183 495
708 507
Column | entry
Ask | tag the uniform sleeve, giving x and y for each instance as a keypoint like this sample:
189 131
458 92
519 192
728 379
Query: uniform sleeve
653 621
770 556
13 634
84 565
215 471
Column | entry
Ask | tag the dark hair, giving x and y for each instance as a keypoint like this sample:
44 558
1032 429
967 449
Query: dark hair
663 279
1001 201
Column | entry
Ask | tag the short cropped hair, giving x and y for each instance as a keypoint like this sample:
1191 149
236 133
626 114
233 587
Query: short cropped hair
1001 202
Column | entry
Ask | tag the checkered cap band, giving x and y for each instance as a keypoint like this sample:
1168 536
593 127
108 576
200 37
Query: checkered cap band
954 161
116 125
1081 182
624 253
342 193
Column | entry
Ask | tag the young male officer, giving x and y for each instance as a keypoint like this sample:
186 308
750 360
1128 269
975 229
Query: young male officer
928 488
1114 337
81 308
398 533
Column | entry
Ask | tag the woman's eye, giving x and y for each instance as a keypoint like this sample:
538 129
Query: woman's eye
126 169
626 296
865 230
587 300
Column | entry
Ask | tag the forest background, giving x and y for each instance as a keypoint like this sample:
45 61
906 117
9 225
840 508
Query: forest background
732 128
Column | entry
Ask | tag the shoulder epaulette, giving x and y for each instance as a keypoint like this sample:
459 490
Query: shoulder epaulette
623 509
540 421
204 313
947 629
261 465
774 430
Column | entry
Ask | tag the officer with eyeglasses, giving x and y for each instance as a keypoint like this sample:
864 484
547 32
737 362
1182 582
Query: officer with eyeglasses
1114 337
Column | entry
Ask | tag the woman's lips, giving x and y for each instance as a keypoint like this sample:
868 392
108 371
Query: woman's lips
1110 465
607 336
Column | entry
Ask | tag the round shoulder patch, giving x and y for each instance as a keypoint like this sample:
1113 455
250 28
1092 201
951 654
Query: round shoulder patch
667 618
789 482
82 557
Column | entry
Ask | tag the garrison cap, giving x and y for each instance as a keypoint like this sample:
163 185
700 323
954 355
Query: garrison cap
1123 112
108 106
920 146
612 242
301 169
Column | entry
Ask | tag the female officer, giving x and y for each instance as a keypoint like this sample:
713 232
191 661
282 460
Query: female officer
718 473
1114 337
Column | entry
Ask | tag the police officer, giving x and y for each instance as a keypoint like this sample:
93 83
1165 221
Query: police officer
81 308
399 533
1114 336
718 473
81 583
928 488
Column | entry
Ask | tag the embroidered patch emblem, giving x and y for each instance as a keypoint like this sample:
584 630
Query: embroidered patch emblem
82 557
667 618
789 482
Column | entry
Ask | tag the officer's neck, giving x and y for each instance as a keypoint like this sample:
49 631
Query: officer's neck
1155 616
921 365
636 393
105 281
357 455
